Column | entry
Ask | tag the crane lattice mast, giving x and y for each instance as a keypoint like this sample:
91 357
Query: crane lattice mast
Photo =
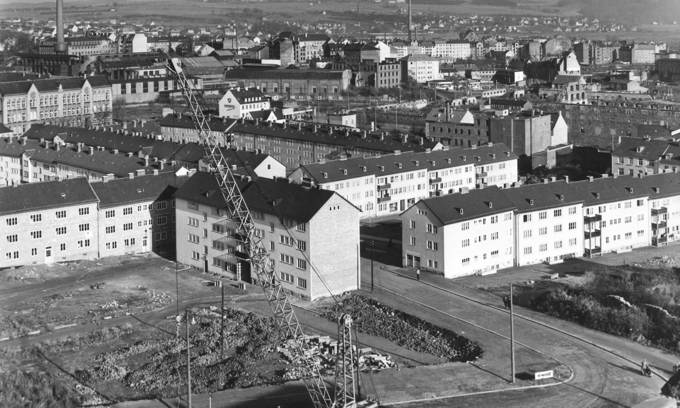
252 245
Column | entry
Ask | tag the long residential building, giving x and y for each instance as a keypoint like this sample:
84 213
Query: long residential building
486 230
76 101
312 235
293 83
74 219
388 184
295 145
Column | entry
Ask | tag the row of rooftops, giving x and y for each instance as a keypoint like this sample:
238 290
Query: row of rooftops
285 74
664 151
278 197
22 87
314 133
117 153
407 161
551 194
78 191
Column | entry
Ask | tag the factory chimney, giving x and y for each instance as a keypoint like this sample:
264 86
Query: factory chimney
410 23
61 46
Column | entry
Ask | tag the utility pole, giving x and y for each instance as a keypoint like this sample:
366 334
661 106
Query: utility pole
188 360
222 327
512 337
372 246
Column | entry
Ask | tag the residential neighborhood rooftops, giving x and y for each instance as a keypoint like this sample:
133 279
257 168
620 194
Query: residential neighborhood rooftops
404 162
39 196
284 74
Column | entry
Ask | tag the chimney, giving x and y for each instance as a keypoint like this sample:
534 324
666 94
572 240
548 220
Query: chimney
131 175
61 46
80 147
23 140
140 172
91 151
146 160
57 146
162 165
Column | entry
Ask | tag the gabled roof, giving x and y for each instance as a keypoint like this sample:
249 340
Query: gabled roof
144 188
4 129
534 197
405 162
310 74
640 148
49 84
40 196
241 94
279 198
453 208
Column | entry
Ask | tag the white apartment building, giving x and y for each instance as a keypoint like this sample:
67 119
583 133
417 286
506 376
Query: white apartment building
555 221
70 100
137 215
548 223
635 156
47 222
460 234
389 184
311 234
421 68
452 50
237 103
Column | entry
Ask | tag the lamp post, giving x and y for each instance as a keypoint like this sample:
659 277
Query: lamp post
512 337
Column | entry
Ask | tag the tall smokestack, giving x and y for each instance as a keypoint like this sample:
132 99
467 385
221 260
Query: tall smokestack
61 46
410 23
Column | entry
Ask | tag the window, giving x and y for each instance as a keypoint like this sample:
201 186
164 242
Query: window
11 221
494 236
302 245
110 229
557 213
302 264
558 244
193 222
61 214
127 210
543 231
193 238
543 248
572 242
286 240
127 227
286 277
527 234
110 213
465 261
161 220
195 255
84 227
34 251
13 238
412 241
301 227
572 225
526 218
465 243
61 230
287 259
432 229
36 234
302 283
412 224
542 215
640 203
62 247
572 210
558 228
162 205
83 211
465 226
36 217
527 250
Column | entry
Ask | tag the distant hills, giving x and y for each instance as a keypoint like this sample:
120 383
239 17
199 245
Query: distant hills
629 11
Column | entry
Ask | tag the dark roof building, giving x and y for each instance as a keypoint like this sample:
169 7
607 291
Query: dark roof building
455 208
40 196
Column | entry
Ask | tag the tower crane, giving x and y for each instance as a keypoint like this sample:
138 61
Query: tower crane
262 271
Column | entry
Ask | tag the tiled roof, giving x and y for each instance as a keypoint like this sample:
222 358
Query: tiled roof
280 197
49 84
40 196
354 140
4 129
640 148
103 162
534 197
454 208
143 188
405 162
242 93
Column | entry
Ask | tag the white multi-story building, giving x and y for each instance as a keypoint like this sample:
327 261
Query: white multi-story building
552 221
460 234
452 50
421 68
636 156
312 235
47 222
76 101
387 185
238 103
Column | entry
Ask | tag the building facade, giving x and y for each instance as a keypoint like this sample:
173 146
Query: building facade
237 103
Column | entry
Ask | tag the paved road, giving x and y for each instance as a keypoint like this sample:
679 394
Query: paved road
601 379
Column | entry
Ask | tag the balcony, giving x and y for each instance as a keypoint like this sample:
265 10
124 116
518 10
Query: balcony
590 252
385 186
659 211
384 199
659 224
482 174
592 233
658 241
436 180
588 219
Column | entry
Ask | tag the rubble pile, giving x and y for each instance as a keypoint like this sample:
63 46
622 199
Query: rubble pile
377 319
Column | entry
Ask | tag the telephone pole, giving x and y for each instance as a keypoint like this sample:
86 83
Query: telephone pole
188 359
512 337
